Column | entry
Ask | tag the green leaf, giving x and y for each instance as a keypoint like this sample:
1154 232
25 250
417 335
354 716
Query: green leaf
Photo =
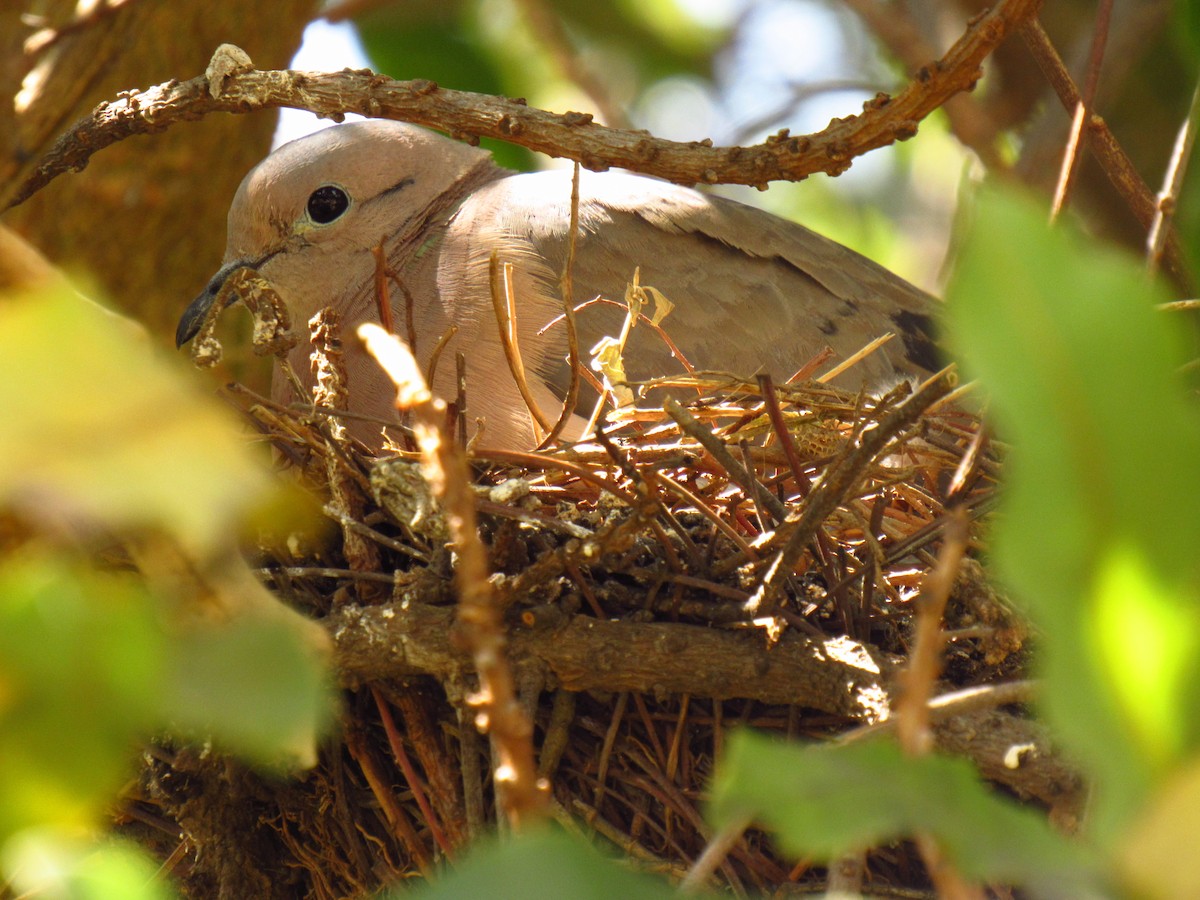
823 801
657 36
97 427
1098 532
255 686
1187 27
52 865
1162 837
541 864
80 657
440 43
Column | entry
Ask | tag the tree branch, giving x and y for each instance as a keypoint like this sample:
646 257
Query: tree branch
781 157
835 676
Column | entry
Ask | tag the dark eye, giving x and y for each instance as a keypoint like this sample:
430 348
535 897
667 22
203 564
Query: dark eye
326 203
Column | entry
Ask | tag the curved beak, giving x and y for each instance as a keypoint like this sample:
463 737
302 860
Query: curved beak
193 317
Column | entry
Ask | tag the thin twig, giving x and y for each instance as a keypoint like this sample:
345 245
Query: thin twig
771 402
329 572
642 319
883 121
410 773
1112 158
1164 208
402 826
913 728
521 793
438 349
837 483
1083 109
567 286
350 524
716 447
925 661
383 301
714 854
709 513
504 304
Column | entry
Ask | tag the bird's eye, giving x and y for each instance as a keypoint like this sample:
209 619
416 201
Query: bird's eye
327 203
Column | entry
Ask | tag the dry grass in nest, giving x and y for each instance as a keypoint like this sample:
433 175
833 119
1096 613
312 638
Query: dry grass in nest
747 556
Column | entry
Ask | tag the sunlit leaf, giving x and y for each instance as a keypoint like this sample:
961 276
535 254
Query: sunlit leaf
541 864
1098 533
57 866
1156 856
1146 634
821 802
80 660
97 427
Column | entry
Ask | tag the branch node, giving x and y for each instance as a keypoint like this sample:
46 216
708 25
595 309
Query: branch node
227 60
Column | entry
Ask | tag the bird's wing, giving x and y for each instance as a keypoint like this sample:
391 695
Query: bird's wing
752 292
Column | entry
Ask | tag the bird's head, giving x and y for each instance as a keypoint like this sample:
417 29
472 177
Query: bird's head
308 216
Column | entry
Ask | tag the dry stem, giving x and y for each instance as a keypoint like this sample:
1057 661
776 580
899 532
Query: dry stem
883 121
499 713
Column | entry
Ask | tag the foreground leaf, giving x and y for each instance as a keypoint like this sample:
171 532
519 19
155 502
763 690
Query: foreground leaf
80 660
542 864
823 801
96 427
55 866
1098 534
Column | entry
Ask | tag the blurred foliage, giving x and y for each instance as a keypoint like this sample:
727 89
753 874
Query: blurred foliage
81 655
105 446
1187 27
94 431
56 866
1098 533
825 802
658 63
542 863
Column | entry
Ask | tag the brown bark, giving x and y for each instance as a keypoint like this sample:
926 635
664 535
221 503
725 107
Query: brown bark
146 220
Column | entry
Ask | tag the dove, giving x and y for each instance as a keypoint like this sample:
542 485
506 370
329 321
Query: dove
752 292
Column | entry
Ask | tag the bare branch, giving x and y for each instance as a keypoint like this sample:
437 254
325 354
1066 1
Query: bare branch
781 157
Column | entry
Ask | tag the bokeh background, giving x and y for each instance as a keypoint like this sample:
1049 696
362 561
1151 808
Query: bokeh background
144 224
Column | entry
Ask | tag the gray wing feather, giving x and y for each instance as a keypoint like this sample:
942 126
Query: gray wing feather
752 292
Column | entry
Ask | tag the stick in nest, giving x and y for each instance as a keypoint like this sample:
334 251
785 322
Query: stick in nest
521 793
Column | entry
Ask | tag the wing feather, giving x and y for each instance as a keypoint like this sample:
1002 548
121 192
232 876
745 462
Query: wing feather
752 292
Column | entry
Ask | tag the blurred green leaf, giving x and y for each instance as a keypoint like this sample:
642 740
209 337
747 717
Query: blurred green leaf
1187 26
541 864
80 657
96 426
1164 836
656 35
254 686
53 866
438 42
1098 534
823 801
102 437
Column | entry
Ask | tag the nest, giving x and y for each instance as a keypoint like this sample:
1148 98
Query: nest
727 555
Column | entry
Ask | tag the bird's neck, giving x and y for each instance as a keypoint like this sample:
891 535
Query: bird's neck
428 225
